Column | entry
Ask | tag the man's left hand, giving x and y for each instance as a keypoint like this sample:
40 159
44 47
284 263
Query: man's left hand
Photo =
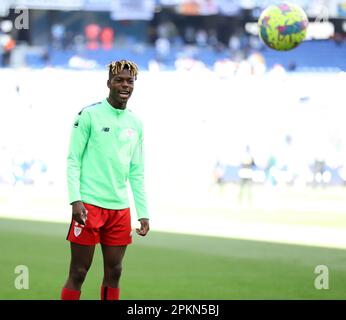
144 227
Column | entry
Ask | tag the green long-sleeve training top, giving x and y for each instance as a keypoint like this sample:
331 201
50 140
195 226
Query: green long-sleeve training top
106 150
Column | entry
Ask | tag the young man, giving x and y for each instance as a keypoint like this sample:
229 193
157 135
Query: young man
106 149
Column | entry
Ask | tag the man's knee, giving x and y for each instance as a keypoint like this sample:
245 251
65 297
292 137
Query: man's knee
78 274
113 271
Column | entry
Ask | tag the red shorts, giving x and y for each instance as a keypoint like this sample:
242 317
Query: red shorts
105 226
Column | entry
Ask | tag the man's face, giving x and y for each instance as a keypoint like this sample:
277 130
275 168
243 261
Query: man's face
121 86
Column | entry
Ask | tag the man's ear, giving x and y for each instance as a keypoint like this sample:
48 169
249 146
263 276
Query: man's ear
108 83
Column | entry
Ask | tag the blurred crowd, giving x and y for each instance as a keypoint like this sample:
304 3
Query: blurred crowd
20 167
21 148
191 47
165 43
284 168
184 48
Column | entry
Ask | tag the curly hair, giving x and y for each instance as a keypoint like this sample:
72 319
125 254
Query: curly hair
117 66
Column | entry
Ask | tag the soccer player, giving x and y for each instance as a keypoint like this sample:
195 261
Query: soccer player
106 150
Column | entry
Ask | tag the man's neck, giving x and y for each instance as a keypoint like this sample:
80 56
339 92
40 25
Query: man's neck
115 105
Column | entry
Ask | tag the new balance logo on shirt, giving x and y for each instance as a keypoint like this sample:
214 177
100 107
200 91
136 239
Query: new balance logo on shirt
105 129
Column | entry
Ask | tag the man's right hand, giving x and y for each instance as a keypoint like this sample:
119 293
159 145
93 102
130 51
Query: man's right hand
79 213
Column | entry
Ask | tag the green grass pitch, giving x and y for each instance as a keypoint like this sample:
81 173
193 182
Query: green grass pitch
171 266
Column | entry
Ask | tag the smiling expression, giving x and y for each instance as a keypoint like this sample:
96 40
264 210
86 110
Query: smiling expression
121 86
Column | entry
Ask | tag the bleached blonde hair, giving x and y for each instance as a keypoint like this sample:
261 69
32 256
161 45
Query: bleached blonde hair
117 66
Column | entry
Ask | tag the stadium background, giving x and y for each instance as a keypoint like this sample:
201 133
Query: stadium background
212 98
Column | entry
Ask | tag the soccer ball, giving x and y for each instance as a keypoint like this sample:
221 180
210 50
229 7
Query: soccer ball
282 27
